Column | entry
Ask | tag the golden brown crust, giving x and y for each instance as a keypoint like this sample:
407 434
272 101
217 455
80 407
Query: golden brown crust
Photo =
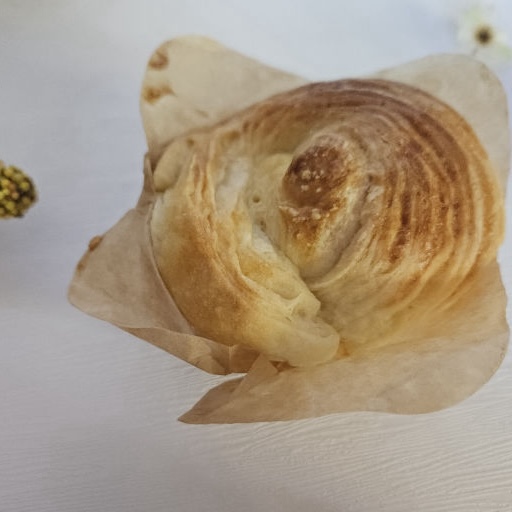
338 211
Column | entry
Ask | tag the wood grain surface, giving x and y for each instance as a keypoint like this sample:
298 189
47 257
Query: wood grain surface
88 412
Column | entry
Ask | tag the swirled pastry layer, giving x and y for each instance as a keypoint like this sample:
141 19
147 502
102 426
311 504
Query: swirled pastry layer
328 216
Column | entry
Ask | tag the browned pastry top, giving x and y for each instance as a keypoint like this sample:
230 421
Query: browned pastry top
327 217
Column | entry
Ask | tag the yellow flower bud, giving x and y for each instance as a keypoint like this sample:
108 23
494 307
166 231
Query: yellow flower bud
17 192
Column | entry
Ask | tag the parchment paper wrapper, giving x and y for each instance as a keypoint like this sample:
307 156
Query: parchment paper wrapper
193 82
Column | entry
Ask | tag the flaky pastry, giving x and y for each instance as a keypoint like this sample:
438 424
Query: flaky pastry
329 217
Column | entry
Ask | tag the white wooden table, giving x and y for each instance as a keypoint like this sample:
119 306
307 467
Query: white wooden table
88 412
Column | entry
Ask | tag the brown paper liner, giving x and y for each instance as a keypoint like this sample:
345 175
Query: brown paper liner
117 279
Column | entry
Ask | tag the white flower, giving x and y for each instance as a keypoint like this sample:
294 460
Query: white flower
479 36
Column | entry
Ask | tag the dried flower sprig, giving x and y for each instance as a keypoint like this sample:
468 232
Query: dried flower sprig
480 36
17 192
